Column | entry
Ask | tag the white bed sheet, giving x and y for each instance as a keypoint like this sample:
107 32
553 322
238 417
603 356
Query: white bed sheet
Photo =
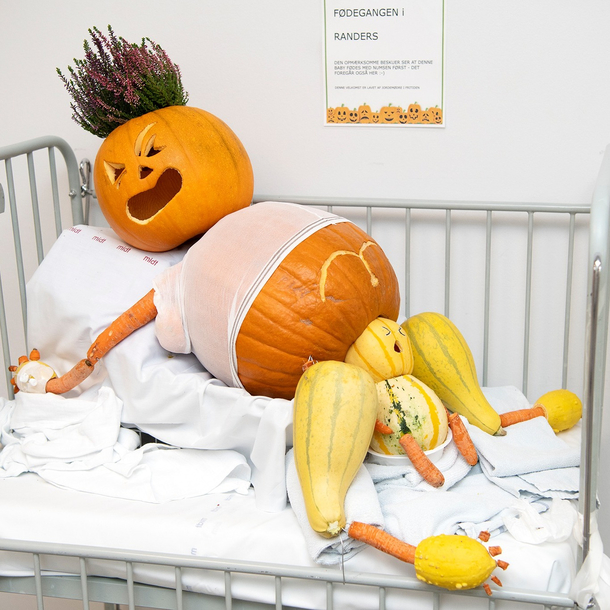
227 526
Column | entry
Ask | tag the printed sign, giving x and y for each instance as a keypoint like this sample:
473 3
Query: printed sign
384 63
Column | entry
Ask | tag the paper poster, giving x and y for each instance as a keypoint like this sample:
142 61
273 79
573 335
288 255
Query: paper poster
384 62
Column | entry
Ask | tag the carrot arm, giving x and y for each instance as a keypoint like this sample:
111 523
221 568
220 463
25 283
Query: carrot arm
421 461
515 417
383 541
462 439
135 317
78 373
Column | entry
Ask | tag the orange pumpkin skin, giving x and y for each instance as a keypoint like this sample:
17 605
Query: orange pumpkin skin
169 175
289 321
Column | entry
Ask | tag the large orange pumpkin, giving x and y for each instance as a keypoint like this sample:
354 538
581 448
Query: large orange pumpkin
170 175
255 312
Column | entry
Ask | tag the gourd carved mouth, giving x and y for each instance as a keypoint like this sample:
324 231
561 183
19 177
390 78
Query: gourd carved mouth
397 347
146 204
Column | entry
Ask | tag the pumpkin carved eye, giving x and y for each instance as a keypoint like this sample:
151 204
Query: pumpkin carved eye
114 171
145 147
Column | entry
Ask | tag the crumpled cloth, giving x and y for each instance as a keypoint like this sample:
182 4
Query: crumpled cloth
360 505
79 444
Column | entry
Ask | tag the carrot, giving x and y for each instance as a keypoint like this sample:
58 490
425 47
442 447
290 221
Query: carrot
381 427
420 460
487 589
502 564
135 317
34 354
462 439
494 550
383 541
515 417
78 373
484 536
307 363
497 580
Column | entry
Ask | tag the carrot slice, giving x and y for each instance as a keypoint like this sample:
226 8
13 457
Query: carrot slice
381 427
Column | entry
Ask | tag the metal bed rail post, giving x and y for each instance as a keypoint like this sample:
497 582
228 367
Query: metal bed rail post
76 192
595 358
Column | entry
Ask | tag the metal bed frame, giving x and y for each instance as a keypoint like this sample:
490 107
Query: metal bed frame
112 592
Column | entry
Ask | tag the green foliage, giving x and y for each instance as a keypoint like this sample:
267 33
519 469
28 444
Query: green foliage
117 81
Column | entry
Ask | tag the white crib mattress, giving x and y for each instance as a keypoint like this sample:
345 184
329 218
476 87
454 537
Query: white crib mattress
226 526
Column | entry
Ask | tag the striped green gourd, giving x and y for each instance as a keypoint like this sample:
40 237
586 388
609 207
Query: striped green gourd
335 407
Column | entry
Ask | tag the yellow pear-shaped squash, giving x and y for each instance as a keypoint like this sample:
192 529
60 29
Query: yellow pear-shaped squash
563 409
383 350
453 562
444 362
335 407
408 405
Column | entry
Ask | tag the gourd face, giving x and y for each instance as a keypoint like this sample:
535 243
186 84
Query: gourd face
169 175
453 562
334 415
407 405
383 350
444 362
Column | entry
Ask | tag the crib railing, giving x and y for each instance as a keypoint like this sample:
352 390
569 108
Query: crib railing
45 187
583 309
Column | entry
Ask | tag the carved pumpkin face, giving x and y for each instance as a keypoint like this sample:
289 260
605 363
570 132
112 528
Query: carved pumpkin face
341 114
414 113
426 116
330 115
353 116
389 114
437 115
169 175
364 113
375 117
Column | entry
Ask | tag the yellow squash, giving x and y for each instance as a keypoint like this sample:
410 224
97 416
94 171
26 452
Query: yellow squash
563 409
444 362
453 562
335 407
383 349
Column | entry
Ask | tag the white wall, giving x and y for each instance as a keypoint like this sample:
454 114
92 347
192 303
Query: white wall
527 96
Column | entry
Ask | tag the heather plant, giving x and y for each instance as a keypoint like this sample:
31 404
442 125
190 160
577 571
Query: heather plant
117 81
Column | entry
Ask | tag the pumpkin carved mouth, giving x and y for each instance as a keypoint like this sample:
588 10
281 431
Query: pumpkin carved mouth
146 204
